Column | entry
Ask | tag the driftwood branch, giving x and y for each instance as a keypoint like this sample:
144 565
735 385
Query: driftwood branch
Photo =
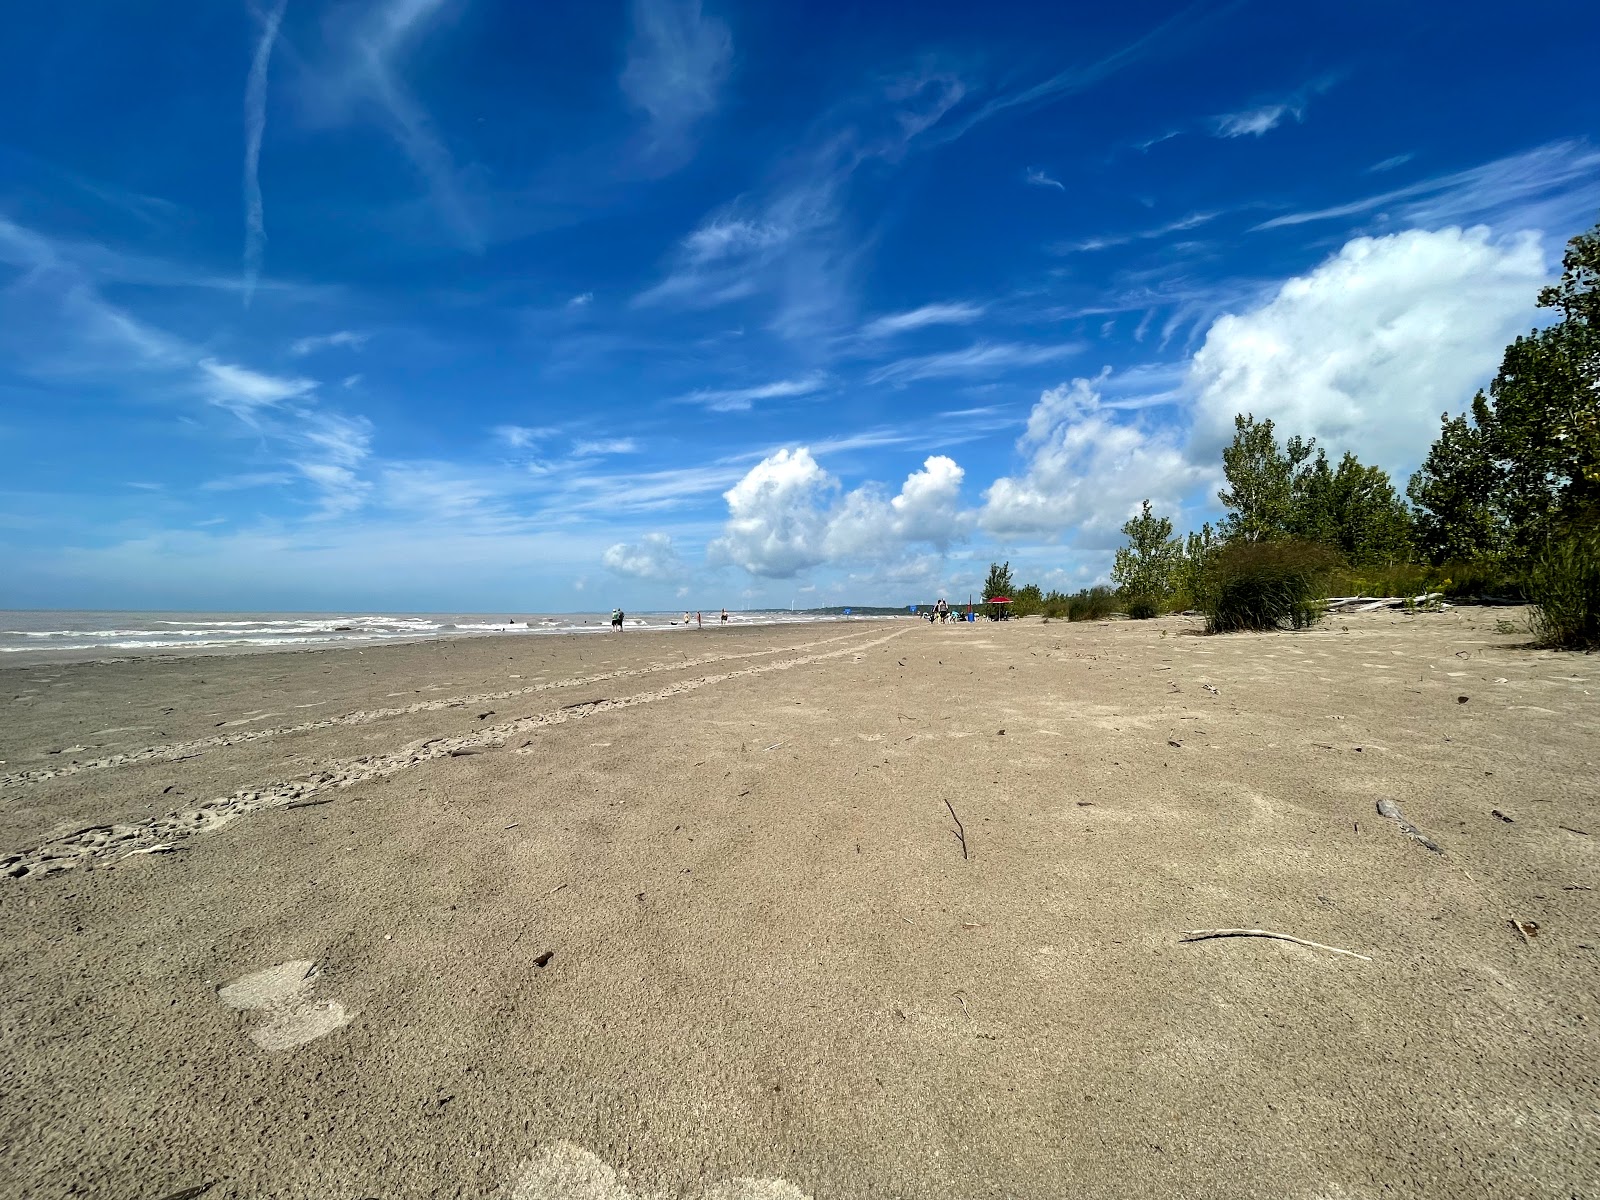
961 834
1388 808
1200 935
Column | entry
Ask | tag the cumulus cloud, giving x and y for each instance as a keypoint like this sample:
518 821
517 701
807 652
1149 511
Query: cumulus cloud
651 557
787 515
1368 349
776 522
1085 468
927 509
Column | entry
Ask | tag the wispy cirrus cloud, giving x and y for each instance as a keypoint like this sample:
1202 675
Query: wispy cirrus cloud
1390 163
301 347
1553 186
364 80
1253 122
255 123
242 391
678 61
741 399
599 447
958 313
1105 241
979 359
1038 178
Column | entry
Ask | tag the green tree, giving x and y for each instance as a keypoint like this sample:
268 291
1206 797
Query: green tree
1456 493
999 581
1531 453
1260 495
1143 568
1026 600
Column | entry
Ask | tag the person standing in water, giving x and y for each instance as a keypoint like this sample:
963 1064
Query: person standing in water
724 616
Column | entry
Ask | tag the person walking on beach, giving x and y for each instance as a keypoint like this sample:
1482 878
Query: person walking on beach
698 623
943 610
616 619
724 616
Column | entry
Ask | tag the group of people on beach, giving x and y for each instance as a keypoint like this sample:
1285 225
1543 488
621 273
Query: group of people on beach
617 616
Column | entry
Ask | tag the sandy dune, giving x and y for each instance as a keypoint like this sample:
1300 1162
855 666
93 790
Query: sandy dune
683 915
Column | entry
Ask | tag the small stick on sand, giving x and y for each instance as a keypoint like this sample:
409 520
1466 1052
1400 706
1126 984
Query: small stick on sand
961 833
311 803
1200 935
1388 808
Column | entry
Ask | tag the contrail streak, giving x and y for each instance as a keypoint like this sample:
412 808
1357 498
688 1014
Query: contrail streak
255 122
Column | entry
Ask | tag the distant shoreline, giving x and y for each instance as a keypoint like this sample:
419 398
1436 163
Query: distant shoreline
120 637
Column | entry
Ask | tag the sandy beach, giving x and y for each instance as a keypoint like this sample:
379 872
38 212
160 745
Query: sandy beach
844 910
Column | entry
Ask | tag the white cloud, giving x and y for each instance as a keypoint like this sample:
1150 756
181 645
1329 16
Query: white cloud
776 522
242 390
918 318
1253 122
1085 469
367 82
677 63
255 123
243 482
787 516
520 437
651 557
601 446
978 359
928 509
1368 349
1105 241
327 341
740 399
1554 186
1390 163
1039 179
582 300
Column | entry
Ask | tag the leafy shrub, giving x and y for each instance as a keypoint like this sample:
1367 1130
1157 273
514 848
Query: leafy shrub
1142 608
1265 585
1091 604
1564 587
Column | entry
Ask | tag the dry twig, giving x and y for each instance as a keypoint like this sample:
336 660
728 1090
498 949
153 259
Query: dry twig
1200 935
961 833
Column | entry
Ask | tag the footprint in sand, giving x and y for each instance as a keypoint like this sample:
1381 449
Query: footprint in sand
563 1171
283 995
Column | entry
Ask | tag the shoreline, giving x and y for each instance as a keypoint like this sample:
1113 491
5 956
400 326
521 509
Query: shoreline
29 657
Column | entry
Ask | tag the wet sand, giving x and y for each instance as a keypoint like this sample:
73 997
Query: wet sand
687 916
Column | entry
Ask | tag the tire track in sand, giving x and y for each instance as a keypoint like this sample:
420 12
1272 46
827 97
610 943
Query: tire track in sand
158 834
175 751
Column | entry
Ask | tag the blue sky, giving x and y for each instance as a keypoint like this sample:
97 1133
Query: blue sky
482 305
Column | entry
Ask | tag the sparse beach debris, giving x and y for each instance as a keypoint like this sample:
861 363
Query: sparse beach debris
1495 812
1388 808
774 746
542 961
1570 829
1211 689
585 703
1175 744
1200 935
311 803
961 833
463 751
190 1193
1526 930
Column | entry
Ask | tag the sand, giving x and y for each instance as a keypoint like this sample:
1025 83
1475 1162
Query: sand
686 915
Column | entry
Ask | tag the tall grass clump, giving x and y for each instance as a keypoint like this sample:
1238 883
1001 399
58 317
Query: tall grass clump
1265 585
1563 585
